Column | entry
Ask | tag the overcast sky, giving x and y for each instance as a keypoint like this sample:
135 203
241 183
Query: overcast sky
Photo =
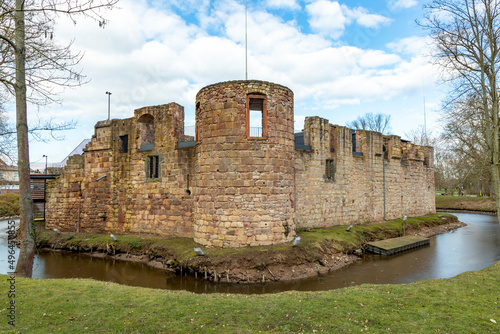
340 58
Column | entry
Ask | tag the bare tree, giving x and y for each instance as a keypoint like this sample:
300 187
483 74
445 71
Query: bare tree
372 122
41 131
7 145
446 173
32 66
466 33
465 133
420 136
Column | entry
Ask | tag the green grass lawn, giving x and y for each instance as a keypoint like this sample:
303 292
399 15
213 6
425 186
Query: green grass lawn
463 304
450 192
484 204
468 303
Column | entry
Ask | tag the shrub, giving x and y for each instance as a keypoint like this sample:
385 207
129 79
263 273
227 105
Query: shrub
9 204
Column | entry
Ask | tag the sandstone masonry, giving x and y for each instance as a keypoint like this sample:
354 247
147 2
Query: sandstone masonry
245 179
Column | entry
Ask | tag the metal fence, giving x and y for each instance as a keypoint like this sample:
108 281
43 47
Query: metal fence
255 131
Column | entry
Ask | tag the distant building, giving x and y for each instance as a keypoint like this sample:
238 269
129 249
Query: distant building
78 150
9 178
55 168
244 178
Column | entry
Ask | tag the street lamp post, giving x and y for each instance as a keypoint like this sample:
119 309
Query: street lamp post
45 187
109 100
46 157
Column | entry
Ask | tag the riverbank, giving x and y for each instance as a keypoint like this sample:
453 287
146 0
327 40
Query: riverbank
465 203
320 250
87 306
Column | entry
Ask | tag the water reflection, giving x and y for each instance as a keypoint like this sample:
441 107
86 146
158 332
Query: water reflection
55 264
4 250
470 248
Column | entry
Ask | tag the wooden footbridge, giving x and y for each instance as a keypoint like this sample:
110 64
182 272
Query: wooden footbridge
396 245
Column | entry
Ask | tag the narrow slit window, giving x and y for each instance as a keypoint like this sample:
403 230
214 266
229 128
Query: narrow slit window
353 140
153 167
333 139
188 191
330 169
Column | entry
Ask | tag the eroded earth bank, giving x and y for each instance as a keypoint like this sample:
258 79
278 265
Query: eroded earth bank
320 250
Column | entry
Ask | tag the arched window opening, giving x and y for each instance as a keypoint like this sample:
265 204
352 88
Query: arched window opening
146 129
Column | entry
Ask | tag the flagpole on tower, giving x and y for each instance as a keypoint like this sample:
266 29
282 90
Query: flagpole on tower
425 116
246 43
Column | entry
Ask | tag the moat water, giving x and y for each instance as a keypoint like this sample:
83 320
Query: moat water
473 247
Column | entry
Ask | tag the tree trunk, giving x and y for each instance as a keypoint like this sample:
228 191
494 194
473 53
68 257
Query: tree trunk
27 249
496 156
495 151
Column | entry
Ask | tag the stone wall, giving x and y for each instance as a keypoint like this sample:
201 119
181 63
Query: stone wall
116 194
232 186
63 196
244 189
356 192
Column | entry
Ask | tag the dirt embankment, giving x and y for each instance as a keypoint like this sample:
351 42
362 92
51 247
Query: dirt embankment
320 251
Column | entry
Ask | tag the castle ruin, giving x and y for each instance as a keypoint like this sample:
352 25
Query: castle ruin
245 178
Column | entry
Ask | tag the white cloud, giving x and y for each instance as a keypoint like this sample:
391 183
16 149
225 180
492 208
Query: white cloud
365 19
149 56
413 45
401 4
377 58
329 18
283 4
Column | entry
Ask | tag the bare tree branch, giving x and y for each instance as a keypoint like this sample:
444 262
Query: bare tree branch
466 33
372 122
32 65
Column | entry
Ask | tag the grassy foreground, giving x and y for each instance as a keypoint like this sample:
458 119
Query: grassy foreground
482 204
468 303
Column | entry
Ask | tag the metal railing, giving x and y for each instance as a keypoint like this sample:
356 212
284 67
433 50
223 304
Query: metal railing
255 131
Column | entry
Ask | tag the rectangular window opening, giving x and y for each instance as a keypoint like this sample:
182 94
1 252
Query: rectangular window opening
153 167
330 169
354 143
124 144
333 139
256 115
354 140
188 191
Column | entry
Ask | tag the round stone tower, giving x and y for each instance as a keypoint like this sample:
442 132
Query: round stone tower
245 190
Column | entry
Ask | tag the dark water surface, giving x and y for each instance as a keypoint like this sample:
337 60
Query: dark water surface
473 247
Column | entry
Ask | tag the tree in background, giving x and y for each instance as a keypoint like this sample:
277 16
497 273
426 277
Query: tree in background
7 142
32 67
420 136
465 133
41 131
466 34
444 172
372 122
